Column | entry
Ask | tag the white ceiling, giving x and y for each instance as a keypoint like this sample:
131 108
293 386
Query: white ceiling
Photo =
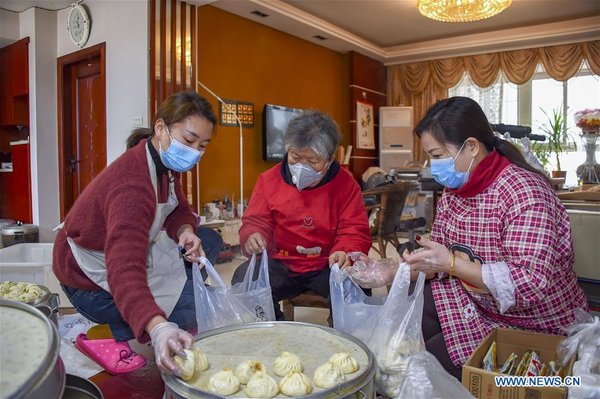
394 31
22 5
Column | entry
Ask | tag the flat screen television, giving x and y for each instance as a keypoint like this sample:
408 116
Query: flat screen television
275 121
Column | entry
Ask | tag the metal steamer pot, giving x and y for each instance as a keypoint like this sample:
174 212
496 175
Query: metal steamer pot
5 222
19 233
359 385
47 304
30 345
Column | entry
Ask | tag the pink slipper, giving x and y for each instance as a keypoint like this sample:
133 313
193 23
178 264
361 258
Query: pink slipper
115 357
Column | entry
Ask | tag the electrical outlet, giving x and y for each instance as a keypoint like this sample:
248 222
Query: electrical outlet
137 121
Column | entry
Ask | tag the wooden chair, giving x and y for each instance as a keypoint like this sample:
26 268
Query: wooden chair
388 201
308 299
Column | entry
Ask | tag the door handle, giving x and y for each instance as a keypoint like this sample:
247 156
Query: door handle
73 164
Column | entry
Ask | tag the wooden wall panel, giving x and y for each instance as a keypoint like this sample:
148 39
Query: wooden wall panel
240 59
172 31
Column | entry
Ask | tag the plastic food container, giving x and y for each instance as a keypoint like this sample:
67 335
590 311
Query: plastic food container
31 263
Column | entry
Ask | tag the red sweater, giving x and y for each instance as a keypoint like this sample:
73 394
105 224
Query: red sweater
331 217
114 214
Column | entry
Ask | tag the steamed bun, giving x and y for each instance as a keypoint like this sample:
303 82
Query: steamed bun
261 385
328 375
246 369
345 361
295 384
286 363
186 365
224 382
201 359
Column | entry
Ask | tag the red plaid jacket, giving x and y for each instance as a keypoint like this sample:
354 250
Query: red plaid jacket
517 220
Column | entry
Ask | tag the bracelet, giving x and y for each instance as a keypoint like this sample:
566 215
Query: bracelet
451 273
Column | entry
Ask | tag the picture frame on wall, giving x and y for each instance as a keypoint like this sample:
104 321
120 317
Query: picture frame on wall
365 126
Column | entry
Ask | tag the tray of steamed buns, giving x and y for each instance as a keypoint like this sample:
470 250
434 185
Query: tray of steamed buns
266 360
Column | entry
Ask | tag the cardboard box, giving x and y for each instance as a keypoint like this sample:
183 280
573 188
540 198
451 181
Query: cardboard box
481 383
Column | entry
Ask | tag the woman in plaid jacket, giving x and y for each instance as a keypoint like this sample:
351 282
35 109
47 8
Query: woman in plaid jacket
500 252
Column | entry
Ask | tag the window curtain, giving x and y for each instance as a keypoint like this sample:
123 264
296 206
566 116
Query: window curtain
421 84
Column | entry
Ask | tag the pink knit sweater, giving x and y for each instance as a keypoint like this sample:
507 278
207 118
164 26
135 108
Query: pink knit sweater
114 214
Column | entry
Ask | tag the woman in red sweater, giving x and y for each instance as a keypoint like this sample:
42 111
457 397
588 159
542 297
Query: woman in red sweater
118 253
306 211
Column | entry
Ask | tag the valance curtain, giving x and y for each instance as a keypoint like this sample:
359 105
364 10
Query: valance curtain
421 84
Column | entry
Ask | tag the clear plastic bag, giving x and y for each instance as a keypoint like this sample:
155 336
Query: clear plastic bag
372 273
392 329
425 378
583 339
350 306
245 302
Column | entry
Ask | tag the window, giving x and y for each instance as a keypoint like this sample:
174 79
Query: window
505 102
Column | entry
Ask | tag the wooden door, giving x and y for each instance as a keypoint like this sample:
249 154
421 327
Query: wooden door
82 121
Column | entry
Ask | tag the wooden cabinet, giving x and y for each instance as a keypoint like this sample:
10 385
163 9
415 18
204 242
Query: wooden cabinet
14 83
15 199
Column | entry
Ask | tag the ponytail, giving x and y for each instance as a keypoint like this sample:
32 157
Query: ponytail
138 135
514 155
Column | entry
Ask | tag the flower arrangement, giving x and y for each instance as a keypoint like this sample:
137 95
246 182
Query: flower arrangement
588 120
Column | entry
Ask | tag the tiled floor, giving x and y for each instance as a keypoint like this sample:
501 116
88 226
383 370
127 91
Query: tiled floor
306 315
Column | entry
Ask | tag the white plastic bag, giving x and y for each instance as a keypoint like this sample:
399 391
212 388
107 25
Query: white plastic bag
245 302
584 338
425 378
391 330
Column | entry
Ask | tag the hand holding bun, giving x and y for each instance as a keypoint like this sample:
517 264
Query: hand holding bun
201 360
186 365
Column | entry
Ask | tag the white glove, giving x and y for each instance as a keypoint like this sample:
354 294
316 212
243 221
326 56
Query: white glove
167 339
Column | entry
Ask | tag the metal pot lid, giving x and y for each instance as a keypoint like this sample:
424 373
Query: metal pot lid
20 229
4 222
28 343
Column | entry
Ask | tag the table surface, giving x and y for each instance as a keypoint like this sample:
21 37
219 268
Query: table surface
144 383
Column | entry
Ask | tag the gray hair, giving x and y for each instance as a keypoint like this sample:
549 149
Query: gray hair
313 130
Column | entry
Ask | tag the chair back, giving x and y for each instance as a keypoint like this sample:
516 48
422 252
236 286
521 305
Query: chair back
389 204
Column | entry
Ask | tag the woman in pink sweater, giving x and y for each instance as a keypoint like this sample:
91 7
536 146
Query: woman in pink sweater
118 253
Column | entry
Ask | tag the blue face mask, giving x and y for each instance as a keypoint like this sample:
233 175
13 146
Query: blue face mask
179 157
303 175
445 173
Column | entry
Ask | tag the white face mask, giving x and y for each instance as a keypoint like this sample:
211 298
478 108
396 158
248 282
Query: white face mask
303 175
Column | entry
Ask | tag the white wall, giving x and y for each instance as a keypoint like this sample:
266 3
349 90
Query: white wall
40 26
123 26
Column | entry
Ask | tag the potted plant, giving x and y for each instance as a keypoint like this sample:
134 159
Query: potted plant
558 139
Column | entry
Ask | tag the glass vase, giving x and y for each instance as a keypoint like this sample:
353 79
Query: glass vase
589 171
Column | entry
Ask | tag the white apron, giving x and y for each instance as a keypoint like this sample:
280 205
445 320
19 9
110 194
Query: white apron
164 267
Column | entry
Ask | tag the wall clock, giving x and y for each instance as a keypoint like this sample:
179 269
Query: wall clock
78 25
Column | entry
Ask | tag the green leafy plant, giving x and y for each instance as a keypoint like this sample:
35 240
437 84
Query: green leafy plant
557 136
541 153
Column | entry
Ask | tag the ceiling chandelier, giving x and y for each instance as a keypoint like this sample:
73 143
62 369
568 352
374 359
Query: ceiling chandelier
461 10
